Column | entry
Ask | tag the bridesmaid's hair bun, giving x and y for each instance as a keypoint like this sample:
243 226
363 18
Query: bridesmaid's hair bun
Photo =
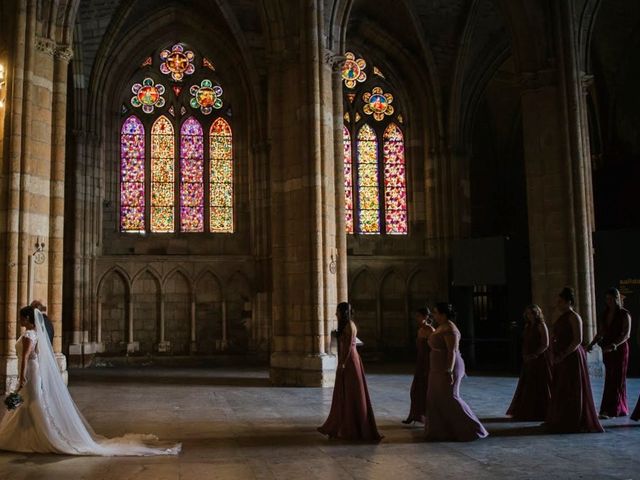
345 311
568 295
447 310
28 312
424 311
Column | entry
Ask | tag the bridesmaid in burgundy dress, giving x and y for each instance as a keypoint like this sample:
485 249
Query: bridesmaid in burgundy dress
448 417
351 416
614 330
636 411
533 393
421 375
571 409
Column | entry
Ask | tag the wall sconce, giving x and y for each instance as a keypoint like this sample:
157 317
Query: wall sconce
2 85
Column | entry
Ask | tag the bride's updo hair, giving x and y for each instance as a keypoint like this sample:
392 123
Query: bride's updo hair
568 295
28 313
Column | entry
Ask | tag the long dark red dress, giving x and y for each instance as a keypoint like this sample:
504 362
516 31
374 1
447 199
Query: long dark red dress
448 417
571 409
531 399
420 382
616 363
351 415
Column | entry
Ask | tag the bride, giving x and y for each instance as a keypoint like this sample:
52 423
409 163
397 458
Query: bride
49 421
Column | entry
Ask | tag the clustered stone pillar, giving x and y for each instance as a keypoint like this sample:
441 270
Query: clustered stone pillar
303 130
558 174
32 191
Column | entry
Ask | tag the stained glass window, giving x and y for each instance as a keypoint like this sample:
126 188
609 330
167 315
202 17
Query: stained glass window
132 176
374 155
173 179
368 182
221 177
395 184
191 176
162 176
348 180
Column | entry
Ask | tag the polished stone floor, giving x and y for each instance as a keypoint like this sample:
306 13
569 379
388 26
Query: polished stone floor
235 426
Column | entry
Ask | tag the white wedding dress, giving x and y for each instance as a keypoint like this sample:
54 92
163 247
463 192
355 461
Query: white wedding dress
49 421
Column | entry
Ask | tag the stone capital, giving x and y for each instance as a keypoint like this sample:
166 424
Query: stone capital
334 60
586 82
64 53
45 45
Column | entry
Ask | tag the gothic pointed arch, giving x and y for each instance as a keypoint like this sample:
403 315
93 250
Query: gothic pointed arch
374 155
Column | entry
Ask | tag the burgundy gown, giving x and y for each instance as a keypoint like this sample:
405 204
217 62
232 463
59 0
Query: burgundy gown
571 409
351 415
420 382
448 417
531 400
614 396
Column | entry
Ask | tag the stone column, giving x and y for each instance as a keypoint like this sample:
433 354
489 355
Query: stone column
62 56
16 64
193 346
340 260
559 238
558 171
303 201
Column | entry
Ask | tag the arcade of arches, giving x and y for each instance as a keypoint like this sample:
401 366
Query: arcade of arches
204 181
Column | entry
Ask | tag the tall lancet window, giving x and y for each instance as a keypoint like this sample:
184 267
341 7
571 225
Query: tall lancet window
132 176
221 176
374 153
162 175
177 163
191 176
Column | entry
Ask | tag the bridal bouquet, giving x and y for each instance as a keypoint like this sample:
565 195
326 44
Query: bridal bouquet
13 401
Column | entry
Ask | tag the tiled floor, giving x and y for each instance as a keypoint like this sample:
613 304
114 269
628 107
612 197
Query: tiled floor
235 426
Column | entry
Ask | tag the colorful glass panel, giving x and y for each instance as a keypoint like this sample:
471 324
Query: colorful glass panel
191 176
348 180
221 177
206 96
147 95
132 176
395 182
353 70
162 176
177 62
378 103
368 183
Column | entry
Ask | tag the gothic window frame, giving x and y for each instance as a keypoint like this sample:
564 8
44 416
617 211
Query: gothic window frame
180 103
362 80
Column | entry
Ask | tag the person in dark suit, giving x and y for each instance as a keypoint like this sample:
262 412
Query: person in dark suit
47 323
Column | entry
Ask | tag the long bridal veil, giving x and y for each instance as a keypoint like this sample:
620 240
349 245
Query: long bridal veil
72 433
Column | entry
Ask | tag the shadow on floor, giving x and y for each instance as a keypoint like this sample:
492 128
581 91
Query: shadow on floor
152 376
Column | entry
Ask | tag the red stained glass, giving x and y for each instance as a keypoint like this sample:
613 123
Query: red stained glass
395 198
368 184
348 180
132 203
191 176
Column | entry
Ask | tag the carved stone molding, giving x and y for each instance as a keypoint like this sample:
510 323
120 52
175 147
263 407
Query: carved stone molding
64 53
586 82
45 45
334 60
